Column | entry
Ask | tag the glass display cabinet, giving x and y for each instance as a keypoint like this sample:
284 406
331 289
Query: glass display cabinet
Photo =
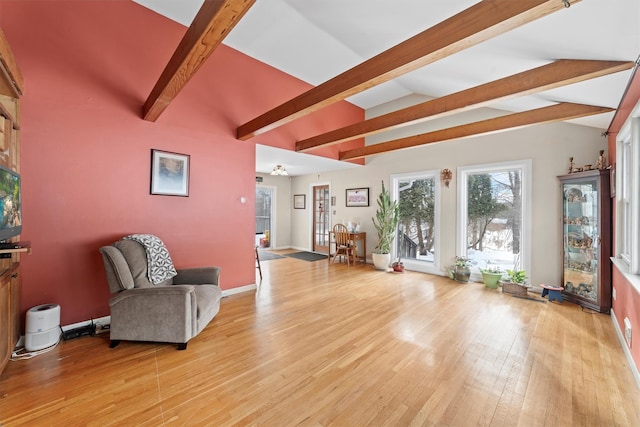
586 234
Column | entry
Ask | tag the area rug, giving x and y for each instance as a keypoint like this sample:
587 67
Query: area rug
268 256
306 256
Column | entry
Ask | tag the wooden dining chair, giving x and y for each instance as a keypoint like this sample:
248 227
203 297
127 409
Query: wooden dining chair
258 262
344 245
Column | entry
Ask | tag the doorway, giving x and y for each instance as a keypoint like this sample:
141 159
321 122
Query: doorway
321 218
417 236
265 215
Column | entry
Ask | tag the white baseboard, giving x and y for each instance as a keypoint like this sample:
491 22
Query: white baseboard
106 320
627 353
239 290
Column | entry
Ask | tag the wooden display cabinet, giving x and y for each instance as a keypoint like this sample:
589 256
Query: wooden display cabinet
11 84
586 235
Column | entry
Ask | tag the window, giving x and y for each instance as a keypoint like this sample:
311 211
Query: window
417 238
493 225
627 196
625 200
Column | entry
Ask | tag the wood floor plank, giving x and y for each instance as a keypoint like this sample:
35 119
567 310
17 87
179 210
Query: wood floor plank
336 345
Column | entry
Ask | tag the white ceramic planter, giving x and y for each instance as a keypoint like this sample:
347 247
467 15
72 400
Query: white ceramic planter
381 261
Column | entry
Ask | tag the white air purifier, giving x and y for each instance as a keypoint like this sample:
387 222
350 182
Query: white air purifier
42 328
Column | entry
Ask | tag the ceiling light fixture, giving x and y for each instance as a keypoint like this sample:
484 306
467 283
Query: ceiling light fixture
279 170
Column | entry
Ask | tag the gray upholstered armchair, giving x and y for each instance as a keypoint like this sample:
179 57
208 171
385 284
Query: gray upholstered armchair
174 310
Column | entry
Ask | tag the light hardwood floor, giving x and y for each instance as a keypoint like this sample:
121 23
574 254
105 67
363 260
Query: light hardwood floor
321 345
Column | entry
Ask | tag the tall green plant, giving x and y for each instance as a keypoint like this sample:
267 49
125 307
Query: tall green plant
386 221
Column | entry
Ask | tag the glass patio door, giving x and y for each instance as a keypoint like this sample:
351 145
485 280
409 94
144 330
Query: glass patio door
417 238
493 215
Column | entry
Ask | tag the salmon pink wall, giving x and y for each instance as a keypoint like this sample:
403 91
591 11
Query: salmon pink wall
627 302
88 68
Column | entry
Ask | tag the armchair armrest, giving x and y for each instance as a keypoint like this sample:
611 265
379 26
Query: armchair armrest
198 276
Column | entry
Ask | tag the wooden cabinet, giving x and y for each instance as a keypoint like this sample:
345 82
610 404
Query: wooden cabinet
11 84
9 313
586 234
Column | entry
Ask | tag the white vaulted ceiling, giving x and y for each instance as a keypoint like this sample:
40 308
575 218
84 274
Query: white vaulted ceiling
317 40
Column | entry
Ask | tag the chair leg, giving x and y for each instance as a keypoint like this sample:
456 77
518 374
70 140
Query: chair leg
182 346
114 343
258 261
339 252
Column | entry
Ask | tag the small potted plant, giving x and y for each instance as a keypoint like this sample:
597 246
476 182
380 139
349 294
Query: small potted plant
516 282
491 276
461 270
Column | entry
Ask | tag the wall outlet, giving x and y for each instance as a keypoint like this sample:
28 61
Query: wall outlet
613 293
627 331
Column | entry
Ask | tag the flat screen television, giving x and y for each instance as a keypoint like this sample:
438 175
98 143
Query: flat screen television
10 204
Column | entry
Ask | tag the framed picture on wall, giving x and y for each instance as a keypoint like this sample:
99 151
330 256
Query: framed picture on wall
298 201
357 197
169 173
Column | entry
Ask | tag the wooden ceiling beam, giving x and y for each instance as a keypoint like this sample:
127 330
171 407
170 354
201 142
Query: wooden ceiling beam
214 21
480 22
559 73
554 113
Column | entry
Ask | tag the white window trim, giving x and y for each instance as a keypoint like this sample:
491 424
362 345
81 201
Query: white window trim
425 267
629 264
461 226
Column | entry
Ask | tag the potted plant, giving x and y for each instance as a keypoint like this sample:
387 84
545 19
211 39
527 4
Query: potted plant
491 276
386 223
460 271
398 266
516 282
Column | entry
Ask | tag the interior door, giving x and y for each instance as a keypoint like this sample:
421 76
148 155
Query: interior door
321 223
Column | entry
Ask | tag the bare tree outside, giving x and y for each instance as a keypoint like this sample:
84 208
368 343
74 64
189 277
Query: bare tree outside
416 232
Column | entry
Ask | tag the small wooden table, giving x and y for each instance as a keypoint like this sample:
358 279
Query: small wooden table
555 292
355 238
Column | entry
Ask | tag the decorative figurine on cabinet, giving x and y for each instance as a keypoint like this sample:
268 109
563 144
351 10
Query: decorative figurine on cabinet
602 161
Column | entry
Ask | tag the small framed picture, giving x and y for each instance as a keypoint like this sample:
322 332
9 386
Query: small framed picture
298 201
169 173
357 197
